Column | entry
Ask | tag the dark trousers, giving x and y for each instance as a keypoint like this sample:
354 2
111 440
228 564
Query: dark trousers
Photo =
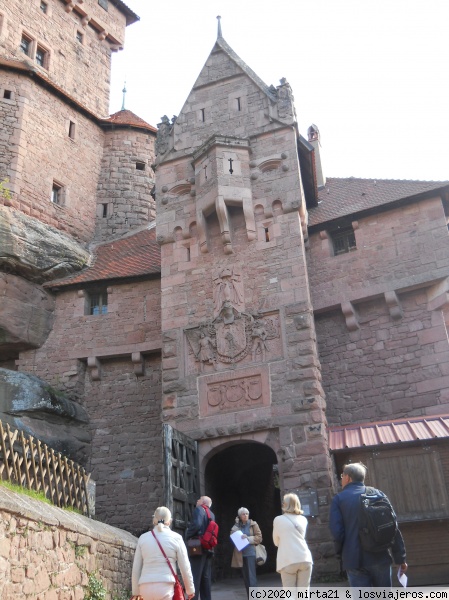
370 576
201 571
249 572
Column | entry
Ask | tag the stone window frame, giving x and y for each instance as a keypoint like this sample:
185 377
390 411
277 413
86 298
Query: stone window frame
80 36
343 240
47 10
27 45
141 165
72 130
104 4
58 194
45 53
96 301
7 95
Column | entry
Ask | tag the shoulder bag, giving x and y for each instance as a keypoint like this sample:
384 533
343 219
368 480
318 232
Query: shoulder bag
261 553
178 590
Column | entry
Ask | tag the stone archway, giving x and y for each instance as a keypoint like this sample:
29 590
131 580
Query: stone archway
243 474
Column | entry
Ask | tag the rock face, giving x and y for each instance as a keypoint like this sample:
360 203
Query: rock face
26 315
28 403
37 251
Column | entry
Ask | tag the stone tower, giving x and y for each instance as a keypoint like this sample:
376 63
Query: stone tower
240 368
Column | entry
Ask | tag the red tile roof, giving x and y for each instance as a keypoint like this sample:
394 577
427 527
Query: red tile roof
133 256
127 117
388 432
342 197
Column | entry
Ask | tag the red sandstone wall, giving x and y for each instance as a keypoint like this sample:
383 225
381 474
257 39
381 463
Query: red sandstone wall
125 189
39 151
124 408
396 249
386 369
81 69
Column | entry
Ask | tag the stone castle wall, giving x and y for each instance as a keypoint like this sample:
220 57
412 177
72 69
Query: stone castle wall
81 68
48 553
123 187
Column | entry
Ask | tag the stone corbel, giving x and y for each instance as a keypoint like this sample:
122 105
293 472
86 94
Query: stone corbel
350 314
85 20
438 295
69 7
222 214
138 362
102 35
93 364
394 306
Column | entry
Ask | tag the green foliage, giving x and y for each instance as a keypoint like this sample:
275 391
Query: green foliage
122 595
21 490
95 589
4 191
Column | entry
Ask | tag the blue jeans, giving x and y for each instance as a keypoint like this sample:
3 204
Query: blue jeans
371 576
249 572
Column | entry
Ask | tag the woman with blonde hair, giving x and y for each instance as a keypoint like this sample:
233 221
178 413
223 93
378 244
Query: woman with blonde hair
152 578
294 560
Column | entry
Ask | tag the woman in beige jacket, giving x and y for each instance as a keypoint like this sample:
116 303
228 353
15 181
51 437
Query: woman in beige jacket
294 560
246 558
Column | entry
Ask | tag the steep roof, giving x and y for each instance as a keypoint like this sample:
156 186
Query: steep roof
127 118
130 15
347 196
135 255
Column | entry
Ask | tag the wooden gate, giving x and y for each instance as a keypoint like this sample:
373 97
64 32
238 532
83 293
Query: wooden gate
181 476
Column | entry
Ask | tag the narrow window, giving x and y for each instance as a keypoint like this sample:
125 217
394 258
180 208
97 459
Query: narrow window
44 7
41 57
140 166
239 105
7 94
25 45
103 4
72 128
98 303
56 193
203 115
188 254
79 37
104 214
343 240
267 234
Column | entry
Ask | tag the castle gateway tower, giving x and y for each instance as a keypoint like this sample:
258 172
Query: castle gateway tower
240 369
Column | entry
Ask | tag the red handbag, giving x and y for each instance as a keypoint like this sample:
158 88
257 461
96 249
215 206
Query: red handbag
178 590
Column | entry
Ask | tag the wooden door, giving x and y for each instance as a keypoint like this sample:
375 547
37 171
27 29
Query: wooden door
181 476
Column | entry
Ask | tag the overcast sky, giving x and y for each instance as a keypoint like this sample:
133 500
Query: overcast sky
371 74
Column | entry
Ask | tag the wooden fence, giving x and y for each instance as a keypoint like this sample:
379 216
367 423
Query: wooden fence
28 462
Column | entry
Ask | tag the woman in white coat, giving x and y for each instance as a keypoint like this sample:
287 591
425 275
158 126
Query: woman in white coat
294 560
152 578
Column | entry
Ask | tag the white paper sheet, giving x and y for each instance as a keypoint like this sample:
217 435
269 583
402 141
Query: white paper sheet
240 543
402 578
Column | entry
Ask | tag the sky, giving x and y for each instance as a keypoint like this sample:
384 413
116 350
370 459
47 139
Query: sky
372 75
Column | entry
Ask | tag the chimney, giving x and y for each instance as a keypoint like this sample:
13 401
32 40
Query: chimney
313 134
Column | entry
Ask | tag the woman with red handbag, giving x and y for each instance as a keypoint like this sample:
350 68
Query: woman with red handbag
154 567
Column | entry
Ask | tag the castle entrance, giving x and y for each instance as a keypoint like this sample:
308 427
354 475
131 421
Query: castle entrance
244 474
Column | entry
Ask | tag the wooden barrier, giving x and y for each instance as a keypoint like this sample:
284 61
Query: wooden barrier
28 462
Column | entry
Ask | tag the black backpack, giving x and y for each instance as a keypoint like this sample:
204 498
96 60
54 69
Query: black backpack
377 521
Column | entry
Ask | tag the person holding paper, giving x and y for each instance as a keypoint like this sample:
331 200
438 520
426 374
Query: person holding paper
294 559
246 535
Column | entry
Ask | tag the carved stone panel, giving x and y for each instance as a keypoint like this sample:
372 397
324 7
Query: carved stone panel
231 391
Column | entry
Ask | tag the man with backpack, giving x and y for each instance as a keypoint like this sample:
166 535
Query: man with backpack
365 531
201 565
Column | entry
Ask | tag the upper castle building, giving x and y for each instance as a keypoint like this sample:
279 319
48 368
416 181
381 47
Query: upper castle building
231 320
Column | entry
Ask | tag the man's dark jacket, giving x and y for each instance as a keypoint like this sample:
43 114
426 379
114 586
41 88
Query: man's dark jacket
199 522
344 527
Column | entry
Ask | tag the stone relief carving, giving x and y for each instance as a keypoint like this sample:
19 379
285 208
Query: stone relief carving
238 393
163 135
232 336
228 288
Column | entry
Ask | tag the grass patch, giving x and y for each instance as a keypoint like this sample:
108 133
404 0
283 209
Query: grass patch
25 491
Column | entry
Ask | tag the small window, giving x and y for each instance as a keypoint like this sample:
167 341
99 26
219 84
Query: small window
140 166
42 57
239 104
25 45
72 128
44 7
97 303
57 194
79 37
267 234
343 240
103 4
104 212
7 94
203 114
